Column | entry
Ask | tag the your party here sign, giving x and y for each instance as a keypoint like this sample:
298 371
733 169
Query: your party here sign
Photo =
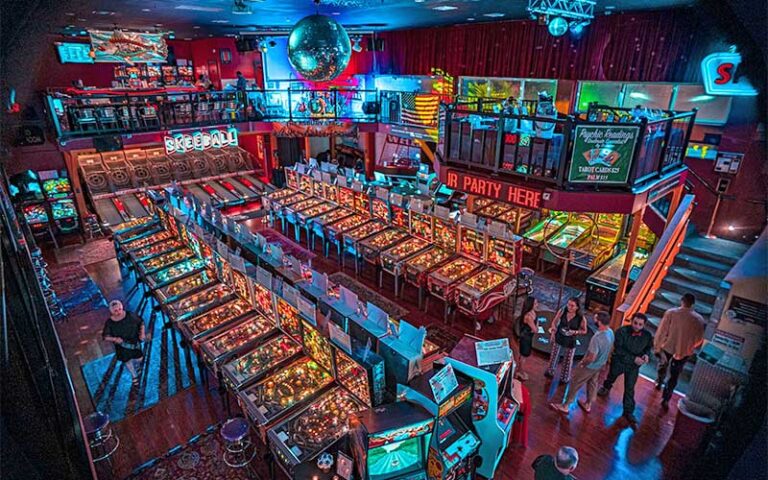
602 153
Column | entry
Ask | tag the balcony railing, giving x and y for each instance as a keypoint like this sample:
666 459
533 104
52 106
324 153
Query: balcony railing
105 112
542 148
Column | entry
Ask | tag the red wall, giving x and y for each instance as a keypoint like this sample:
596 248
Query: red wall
209 50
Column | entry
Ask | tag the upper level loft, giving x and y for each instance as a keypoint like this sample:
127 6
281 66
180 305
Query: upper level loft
604 148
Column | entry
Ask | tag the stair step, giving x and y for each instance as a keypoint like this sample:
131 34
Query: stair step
700 264
696 276
665 300
716 246
681 285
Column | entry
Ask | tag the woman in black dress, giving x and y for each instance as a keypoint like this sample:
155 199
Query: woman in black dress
566 326
126 331
527 330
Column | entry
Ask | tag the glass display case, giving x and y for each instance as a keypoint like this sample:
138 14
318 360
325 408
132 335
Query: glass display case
176 272
242 336
274 396
260 361
185 286
197 303
215 319
165 260
312 430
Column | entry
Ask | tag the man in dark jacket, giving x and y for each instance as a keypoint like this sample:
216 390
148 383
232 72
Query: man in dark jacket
631 350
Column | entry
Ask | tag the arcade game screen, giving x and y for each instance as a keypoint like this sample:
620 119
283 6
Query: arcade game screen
57 188
389 460
35 214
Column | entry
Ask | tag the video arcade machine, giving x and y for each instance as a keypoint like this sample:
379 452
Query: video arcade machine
391 442
27 193
490 365
448 397
58 192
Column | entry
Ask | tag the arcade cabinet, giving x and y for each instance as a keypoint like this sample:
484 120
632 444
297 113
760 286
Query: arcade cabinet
58 193
391 442
448 397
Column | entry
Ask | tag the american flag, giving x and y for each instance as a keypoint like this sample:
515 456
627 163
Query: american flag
419 109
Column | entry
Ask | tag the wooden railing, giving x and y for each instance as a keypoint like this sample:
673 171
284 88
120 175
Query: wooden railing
644 289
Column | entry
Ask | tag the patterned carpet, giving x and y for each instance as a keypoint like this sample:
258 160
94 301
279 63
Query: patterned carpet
75 289
94 251
200 459
365 294
171 369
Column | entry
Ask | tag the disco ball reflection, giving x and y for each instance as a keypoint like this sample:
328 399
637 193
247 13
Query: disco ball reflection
319 48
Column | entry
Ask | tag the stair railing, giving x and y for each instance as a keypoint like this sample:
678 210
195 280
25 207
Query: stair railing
719 197
657 266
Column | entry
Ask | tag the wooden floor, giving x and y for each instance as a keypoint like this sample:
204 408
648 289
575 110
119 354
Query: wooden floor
608 448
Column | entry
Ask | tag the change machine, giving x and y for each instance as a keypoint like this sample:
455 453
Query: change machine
448 396
493 409
390 442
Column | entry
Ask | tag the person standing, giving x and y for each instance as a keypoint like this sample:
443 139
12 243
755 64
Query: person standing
527 330
546 467
126 331
631 350
598 352
566 326
680 333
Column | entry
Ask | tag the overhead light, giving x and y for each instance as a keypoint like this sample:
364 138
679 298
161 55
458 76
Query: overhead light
639 96
103 12
158 25
240 8
336 13
471 19
445 8
701 98
560 15
197 8
148 10
557 26
219 21
577 28
70 14
494 15
419 1
196 27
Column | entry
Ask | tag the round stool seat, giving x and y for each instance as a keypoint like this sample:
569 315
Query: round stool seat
234 429
95 422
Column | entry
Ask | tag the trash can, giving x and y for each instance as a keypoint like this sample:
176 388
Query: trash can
691 425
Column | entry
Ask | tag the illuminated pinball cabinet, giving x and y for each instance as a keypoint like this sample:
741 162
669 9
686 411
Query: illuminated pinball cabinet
453 444
391 442
493 410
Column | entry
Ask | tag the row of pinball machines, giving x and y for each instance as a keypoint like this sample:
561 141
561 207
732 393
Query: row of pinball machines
471 264
115 181
45 200
309 389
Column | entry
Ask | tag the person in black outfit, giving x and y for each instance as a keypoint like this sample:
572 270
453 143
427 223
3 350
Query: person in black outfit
566 326
527 330
126 331
547 467
632 349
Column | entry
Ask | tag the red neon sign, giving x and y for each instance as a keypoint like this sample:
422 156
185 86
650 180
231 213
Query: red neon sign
501 191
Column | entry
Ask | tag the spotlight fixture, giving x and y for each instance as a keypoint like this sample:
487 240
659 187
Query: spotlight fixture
560 15
356 47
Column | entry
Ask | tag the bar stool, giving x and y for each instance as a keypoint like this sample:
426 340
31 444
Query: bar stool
238 449
102 441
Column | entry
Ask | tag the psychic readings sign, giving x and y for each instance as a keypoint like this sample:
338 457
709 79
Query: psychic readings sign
602 153
495 189
186 142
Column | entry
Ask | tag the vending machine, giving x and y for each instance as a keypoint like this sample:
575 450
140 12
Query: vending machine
448 396
391 442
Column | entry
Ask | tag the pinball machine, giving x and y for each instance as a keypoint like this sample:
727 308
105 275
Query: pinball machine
394 258
354 237
517 218
122 231
320 225
454 443
177 272
263 359
198 303
335 231
215 320
155 249
317 346
370 248
313 429
306 219
442 281
543 230
275 397
380 205
362 200
248 332
574 231
165 260
185 286
145 240
291 213
493 411
362 372
391 442
26 191
600 244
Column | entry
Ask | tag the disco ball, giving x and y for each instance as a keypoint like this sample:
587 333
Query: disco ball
319 48
558 26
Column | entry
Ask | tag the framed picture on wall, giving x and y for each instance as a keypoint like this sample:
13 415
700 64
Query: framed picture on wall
225 55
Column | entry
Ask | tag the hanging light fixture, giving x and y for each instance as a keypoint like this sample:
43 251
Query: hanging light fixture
319 48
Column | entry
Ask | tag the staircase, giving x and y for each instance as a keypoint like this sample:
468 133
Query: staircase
699 268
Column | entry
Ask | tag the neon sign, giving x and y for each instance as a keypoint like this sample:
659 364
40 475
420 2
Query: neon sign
718 71
494 189
184 142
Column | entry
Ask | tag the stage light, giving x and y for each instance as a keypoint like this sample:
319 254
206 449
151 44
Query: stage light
577 29
356 47
557 26
731 228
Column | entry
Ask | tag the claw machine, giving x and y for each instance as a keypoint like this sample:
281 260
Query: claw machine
391 442
493 410
448 397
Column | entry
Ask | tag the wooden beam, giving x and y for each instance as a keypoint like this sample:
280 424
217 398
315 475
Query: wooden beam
637 220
